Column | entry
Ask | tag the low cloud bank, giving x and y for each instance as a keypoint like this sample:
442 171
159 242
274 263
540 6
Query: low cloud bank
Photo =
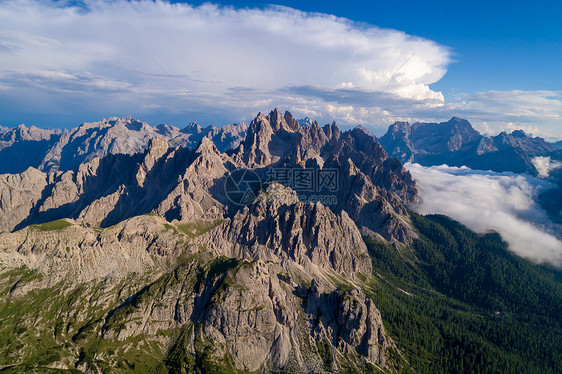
545 166
486 201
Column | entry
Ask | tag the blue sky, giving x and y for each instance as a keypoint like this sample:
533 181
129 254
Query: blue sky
496 64
504 45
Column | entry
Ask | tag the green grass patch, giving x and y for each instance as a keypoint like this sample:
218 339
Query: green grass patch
197 228
52 226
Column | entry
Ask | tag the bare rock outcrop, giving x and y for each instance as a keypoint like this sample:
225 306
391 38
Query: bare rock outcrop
68 251
278 227
123 168
274 285
18 194
371 187
457 143
256 317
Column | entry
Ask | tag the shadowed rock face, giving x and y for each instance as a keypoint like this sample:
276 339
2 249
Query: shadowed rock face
146 252
22 147
278 227
183 184
129 136
53 150
372 188
456 143
275 302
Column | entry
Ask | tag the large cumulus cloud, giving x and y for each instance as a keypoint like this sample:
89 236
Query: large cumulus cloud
116 55
64 62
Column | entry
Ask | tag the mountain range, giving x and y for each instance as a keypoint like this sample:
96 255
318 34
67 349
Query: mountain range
457 143
279 246
47 150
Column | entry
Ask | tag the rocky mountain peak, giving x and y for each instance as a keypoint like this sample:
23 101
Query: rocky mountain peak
179 183
271 229
24 133
459 125
206 146
192 127
519 134
277 120
255 148
167 130
398 136
157 147
291 121
457 143
141 212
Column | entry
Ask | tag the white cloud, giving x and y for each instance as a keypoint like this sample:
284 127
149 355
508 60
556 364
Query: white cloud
485 201
535 112
96 59
545 165
223 56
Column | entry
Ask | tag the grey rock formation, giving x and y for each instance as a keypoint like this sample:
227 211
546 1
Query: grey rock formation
23 147
456 143
278 227
19 193
225 138
140 252
126 136
372 188
53 150
68 251
182 184
164 285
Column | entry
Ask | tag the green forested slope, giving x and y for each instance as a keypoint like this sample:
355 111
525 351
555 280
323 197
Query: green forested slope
460 302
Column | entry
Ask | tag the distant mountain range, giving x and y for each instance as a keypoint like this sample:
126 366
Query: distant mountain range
279 246
457 143
47 150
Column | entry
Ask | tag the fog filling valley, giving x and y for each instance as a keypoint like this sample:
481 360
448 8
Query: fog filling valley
486 201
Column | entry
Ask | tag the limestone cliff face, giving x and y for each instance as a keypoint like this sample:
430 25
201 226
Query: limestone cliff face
52 150
107 190
258 317
198 187
277 227
294 305
18 194
141 251
373 188
129 136
183 184
23 147
67 250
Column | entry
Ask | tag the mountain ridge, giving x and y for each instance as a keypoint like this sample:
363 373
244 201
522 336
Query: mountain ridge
149 261
457 143
47 150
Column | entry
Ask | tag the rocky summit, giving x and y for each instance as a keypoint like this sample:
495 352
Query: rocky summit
124 250
281 246
48 150
457 143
